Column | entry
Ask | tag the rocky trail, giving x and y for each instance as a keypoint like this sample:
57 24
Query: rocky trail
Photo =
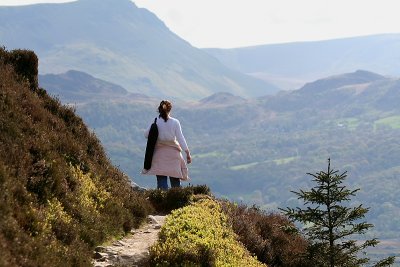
133 249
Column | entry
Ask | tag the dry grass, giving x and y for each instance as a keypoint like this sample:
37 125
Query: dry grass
271 237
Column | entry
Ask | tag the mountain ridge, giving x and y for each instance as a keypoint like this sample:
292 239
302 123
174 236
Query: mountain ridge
121 43
346 79
73 86
359 88
291 65
76 87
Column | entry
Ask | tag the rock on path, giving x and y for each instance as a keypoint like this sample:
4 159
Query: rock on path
132 250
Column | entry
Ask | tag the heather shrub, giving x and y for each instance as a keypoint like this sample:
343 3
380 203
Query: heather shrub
174 198
271 237
25 64
60 194
199 235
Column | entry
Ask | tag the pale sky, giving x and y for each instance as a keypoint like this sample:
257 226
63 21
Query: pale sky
238 23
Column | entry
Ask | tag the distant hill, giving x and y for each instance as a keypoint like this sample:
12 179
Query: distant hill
61 196
220 99
118 42
291 65
337 81
350 91
76 86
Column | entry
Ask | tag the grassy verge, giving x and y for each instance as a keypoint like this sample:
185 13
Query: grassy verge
199 235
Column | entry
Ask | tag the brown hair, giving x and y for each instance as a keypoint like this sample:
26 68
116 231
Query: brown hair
164 109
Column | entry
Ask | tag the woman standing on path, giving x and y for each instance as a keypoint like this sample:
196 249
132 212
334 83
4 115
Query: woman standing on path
167 157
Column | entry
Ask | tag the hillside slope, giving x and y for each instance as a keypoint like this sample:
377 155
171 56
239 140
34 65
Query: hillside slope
60 194
118 42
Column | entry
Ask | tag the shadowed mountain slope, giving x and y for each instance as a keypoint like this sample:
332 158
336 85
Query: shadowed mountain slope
76 86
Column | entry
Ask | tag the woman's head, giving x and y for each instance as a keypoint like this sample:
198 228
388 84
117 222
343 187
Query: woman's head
164 109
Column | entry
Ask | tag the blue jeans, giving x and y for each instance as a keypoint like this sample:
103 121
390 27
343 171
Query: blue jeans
162 182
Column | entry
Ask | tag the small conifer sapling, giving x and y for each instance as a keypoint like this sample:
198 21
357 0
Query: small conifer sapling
330 225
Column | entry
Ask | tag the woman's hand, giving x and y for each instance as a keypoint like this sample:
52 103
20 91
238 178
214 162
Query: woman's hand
188 157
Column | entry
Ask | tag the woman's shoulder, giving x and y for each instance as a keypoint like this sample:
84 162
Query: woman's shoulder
173 120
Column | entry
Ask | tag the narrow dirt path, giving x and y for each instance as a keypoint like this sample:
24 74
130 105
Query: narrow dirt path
132 250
